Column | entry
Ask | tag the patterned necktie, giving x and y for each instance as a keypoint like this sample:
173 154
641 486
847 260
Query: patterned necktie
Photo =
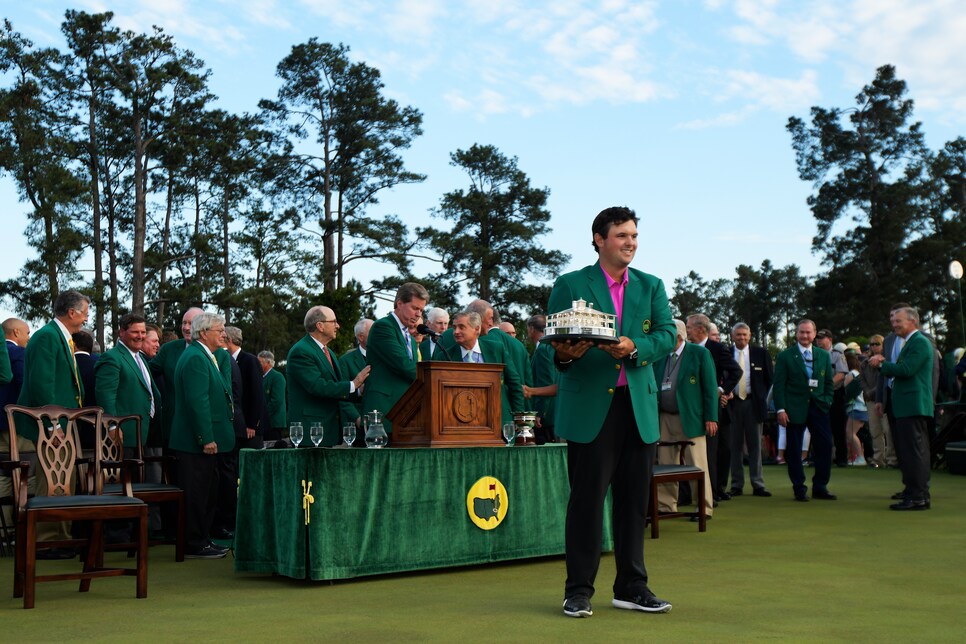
77 382
477 357
409 343
328 356
808 362
742 382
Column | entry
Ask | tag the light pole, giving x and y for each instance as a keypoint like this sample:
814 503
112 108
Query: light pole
956 272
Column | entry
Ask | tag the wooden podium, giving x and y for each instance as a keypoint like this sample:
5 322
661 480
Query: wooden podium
451 404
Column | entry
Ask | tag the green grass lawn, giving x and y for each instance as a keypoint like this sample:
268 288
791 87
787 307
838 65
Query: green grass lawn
767 569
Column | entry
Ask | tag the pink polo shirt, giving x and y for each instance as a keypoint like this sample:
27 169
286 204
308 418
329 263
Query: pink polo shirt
617 297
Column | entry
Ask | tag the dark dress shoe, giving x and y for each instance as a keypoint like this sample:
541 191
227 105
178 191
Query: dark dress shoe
735 492
724 496
698 519
910 504
801 498
760 491
899 496
825 495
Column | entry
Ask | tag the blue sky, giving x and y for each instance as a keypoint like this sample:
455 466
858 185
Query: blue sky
674 108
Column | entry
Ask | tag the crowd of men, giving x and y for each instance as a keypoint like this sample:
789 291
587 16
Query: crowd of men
203 397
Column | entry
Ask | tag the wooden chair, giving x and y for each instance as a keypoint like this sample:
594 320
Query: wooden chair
108 469
676 474
58 456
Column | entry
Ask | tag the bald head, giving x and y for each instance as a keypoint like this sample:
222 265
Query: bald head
17 331
186 319
508 328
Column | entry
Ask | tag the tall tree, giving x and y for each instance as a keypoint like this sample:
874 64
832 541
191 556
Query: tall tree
494 245
346 149
868 164
37 150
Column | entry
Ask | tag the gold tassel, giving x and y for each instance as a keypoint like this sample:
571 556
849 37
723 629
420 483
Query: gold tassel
307 500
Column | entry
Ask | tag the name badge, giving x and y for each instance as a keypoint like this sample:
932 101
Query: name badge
813 383
666 385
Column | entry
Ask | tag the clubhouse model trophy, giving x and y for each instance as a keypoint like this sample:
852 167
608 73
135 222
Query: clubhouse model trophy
525 422
582 322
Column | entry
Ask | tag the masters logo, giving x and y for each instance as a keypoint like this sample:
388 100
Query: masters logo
486 503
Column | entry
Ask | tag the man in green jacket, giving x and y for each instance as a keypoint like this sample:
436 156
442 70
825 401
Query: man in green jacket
607 411
50 377
688 402
123 381
318 390
273 383
163 365
911 404
392 352
201 428
803 391
354 360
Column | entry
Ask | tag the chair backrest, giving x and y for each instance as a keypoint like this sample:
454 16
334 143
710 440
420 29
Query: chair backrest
109 447
58 444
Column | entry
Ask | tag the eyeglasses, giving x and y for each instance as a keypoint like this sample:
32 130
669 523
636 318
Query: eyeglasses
875 344
325 321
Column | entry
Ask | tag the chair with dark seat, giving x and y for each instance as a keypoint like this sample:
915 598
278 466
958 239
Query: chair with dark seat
676 474
58 456
108 468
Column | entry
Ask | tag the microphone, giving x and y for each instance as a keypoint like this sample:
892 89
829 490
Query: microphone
422 329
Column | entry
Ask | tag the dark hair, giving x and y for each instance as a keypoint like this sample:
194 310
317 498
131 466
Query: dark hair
852 360
83 341
607 218
68 300
130 318
537 322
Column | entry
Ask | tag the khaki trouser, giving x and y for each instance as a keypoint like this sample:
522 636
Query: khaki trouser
696 455
883 447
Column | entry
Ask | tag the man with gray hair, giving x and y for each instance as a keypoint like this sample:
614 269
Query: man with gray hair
273 385
437 320
354 360
201 429
747 410
319 389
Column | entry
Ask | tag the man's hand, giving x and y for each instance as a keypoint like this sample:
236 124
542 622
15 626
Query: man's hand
210 448
249 433
782 419
620 350
876 361
878 410
361 377
724 398
710 427
567 350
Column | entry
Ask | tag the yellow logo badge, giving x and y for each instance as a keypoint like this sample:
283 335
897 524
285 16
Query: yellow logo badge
646 326
486 503
693 380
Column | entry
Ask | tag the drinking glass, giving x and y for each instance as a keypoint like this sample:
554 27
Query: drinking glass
349 434
295 433
315 433
509 433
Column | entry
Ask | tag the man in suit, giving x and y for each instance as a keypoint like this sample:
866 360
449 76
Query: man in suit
83 355
392 352
727 373
163 365
803 395
544 377
124 384
318 390
911 403
354 360
16 333
472 346
437 320
607 411
273 384
51 377
688 404
201 428
838 418
747 410
516 353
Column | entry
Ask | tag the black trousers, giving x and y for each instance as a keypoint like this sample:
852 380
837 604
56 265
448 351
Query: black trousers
198 477
817 423
911 436
227 504
619 459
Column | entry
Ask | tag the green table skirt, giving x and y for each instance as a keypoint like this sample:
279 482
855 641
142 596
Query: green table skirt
391 510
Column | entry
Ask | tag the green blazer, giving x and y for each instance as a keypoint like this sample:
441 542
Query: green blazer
790 385
426 355
696 390
494 352
912 392
517 354
587 384
351 363
543 374
163 365
318 392
203 409
274 384
121 390
49 376
393 371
